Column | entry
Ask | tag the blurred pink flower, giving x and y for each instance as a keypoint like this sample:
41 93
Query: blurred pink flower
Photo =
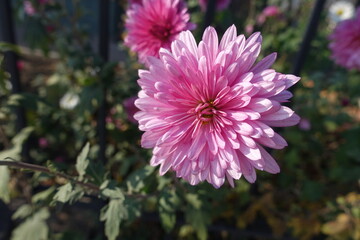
135 1
20 65
220 4
59 159
43 142
29 8
249 28
304 124
208 109
345 43
269 11
155 24
345 102
50 28
261 19
130 108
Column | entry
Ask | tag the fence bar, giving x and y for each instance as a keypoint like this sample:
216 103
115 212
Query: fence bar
308 37
104 53
210 13
8 35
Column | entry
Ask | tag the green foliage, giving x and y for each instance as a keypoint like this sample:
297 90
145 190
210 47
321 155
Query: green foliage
4 180
136 181
82 161
114 212
4 47
23 212
34 227
68 193
17 142
198 220
43 196
12 153
168 202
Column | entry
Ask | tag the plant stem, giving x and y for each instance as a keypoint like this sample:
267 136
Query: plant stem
37 168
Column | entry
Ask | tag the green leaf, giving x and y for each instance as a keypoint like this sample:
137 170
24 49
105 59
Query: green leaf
312 191
193 200
109 190
17 142
22 212
34 228
4 181
113 214
82 162
135 181
196 215
168 203
133 207
43 196
68 193
198 219
90 99
4 46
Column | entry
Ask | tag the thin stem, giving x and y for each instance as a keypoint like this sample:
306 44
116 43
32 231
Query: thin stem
37 168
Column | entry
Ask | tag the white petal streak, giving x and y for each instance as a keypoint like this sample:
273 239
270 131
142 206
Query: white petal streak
229 35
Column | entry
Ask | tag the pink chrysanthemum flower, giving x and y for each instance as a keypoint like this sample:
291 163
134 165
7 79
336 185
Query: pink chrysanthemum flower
208 110
271 11
155 24
268 12
220 4
130 108
345 43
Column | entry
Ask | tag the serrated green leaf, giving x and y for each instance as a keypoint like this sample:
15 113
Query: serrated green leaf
68 193
17 142
82 162
22 212
109 190
113 214
194 200
198 219
168 219
168 203
4 181
34 228
42 196
135 181
133 207
113 193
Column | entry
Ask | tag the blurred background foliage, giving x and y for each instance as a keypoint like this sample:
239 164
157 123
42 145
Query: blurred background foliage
316 195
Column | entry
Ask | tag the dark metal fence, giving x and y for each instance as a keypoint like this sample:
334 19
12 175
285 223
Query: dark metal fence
8 35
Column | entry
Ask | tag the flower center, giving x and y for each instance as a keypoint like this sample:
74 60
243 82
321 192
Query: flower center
205 111
161 32
340 12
